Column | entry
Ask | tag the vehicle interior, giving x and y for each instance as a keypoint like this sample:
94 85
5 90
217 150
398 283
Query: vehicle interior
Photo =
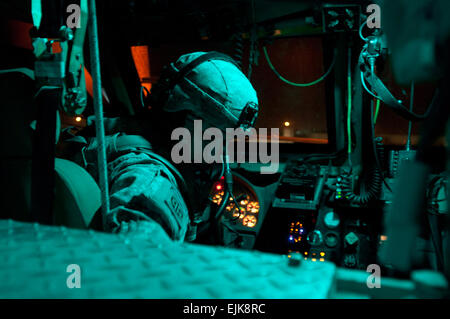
360 190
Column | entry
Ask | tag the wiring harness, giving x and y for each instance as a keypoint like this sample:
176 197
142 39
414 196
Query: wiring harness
238 49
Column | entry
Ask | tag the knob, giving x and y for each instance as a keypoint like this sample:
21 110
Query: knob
351 239
331 240
314 238
331 220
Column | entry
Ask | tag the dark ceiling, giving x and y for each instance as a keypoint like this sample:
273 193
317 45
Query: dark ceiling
186 20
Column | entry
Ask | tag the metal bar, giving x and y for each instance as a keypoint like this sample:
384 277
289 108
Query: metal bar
98 108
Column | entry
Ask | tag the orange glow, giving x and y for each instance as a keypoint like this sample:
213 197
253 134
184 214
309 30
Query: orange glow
56 47
90 88
237 214
217 198
17 33
243 202
141 59
305 140
249 221
277 32
253 207
78 119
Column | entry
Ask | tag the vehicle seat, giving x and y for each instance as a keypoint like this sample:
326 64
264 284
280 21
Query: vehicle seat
77 195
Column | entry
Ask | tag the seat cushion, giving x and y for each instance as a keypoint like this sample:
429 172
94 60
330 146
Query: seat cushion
77 195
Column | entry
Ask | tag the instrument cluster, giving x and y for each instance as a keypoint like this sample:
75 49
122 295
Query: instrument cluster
246 211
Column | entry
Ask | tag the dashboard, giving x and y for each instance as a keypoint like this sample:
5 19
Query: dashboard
246 211
242 220
306 210
297 212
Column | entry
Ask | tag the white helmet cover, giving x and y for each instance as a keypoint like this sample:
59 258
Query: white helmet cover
215 91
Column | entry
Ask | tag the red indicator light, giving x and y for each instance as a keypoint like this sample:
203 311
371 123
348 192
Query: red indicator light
218 187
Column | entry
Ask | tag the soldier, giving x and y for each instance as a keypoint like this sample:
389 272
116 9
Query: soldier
147 193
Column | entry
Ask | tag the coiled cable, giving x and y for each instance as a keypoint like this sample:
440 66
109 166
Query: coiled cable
370 190
238 50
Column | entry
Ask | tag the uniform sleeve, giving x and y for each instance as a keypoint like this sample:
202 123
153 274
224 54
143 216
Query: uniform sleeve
142 188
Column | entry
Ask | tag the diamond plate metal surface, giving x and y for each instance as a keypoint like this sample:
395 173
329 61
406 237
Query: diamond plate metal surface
34 259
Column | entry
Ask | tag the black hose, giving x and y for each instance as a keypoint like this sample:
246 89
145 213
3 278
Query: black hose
238 50
371 189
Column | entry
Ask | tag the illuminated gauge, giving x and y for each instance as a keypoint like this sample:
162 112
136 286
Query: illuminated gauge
243 202
217 198
249 221
236 213
295 239
230 207
253 207
246 200
331 220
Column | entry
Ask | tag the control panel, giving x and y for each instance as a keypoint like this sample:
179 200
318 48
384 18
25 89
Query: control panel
242 216
298 221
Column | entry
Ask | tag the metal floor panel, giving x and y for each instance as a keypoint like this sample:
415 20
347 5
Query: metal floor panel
34 259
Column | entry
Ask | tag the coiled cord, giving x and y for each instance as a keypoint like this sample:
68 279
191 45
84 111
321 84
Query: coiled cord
238 50
368 192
